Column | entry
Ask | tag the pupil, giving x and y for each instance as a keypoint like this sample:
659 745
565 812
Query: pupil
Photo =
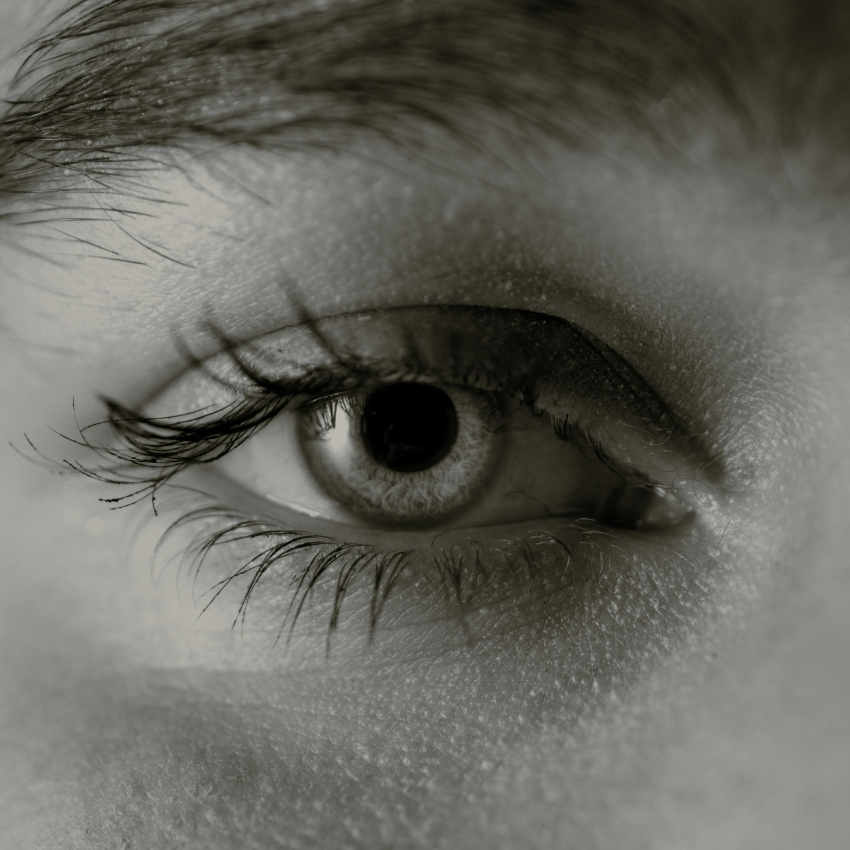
408 427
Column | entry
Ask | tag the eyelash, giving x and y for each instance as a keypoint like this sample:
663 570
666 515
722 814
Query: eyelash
149 452
324 556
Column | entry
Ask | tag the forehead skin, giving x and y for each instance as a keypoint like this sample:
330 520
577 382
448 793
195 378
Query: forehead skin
124 726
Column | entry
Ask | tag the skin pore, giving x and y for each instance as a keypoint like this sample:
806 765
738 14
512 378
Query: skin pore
691 693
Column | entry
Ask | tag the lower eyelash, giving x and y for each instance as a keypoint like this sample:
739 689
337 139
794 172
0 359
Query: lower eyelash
335 565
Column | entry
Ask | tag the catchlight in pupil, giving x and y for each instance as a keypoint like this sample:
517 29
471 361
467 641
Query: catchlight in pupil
409 427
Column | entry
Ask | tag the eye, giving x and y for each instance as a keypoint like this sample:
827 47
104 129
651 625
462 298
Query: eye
402 454
447 443
421 443
416 455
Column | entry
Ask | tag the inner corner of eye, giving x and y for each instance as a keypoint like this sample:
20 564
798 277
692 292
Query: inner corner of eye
643 507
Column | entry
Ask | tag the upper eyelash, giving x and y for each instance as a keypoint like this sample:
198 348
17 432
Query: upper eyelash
151 451
165 446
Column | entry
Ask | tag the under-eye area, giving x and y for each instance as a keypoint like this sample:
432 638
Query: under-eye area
443 460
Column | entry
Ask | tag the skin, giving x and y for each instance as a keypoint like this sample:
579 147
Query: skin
127 721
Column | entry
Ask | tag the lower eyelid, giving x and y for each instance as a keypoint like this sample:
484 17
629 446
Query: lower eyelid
228 491
447 574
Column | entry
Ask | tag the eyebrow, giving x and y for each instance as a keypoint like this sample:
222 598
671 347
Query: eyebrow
112 79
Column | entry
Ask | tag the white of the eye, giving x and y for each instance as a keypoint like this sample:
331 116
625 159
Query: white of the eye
271 466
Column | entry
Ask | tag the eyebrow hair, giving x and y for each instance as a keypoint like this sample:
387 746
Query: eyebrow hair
113 79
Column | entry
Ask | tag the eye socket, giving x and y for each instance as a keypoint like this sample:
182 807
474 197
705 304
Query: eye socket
494 434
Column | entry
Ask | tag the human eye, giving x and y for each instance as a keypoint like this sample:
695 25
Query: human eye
488 450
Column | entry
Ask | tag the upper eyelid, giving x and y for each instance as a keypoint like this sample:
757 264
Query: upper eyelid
246 353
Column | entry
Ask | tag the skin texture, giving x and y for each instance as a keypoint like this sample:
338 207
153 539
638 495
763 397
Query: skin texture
716 715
